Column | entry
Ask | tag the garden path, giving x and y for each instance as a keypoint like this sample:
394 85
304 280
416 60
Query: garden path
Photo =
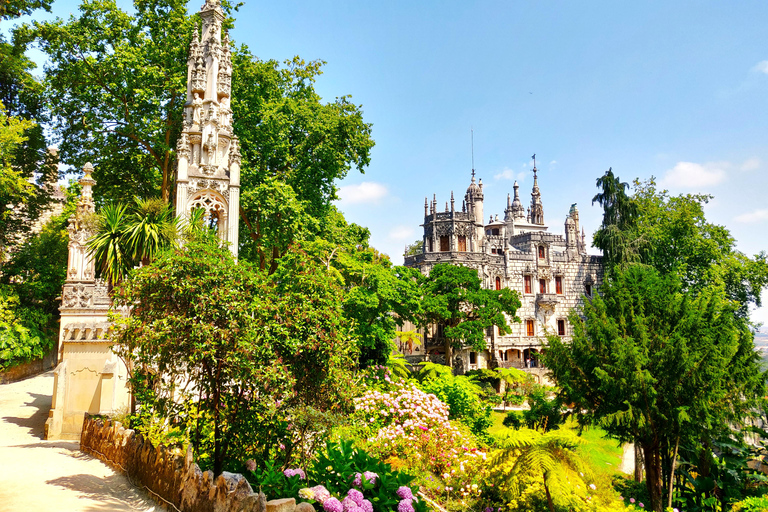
39 475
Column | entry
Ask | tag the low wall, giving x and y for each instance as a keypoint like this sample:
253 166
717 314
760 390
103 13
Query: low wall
173 479
30 368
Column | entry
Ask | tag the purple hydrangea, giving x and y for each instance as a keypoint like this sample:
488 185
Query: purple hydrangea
293 472
356 496
366 506
405 506
321 493
405 493
332 505
349 505
370 477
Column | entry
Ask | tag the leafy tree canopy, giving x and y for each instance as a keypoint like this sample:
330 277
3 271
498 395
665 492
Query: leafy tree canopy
454 300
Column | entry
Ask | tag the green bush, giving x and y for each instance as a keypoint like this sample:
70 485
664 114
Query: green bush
24 332
513 420
464 404
751 505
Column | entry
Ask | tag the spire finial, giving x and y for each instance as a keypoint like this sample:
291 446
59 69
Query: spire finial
534 165
472 137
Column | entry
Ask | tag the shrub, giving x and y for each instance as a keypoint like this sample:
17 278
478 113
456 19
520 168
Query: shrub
462 397
513 420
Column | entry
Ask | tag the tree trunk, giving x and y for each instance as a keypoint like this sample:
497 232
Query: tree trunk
638 462
653 478
672 472
549 496
449 354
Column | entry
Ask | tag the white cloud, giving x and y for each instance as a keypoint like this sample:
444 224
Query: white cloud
753 217
751 165
761 67
509 174
401 233
553 163
367 191
693 175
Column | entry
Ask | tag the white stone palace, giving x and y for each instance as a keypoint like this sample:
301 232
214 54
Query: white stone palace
551 273
208 152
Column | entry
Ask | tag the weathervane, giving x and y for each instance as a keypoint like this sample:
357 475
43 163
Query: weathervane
534 165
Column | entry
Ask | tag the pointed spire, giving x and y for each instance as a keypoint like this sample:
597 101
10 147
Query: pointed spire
426 206
452 208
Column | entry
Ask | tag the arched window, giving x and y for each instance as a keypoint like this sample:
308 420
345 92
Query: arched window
541 251
445 244
561 327
498 283
215 208
528 284
462 243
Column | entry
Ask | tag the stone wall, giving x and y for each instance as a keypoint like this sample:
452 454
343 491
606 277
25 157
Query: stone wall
173 479
28 369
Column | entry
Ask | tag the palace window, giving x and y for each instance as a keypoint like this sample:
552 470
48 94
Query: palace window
529 328
528 284
561 327
445 244
541 251
489 331
559 285
472 358
429 244
462 243
542 286
498 283
588 290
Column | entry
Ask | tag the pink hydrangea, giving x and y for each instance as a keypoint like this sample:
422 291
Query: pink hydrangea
349 505
405 506
366 506
293 472
321 493
332 505
405 493
356 496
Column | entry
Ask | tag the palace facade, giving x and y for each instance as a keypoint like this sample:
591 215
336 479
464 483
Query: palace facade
552 273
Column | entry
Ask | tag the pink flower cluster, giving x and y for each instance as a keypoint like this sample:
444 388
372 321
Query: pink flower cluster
414 426
295 472
353 502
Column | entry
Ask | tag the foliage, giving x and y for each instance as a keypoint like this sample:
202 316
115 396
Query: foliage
415 248
339 468
754 504
655 365
620 212
513 420
464 404
544 413
413 428
125 238
525 452
207 336
288 133
24 332
454 300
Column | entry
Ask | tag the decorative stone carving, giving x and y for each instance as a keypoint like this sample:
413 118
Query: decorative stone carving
78 296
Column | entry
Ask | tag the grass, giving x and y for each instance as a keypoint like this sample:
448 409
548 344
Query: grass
602 453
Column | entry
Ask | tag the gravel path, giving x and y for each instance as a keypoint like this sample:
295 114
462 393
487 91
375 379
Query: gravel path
38 475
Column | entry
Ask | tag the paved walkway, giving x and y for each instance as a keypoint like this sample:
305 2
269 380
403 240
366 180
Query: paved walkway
38 475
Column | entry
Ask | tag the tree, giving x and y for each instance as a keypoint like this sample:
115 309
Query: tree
527 453
657 364
232 349
116 90
619 215
455 302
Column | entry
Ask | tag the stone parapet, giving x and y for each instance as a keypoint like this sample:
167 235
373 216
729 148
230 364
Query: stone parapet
172 479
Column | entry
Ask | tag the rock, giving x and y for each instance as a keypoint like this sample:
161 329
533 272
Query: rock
283 505
304 507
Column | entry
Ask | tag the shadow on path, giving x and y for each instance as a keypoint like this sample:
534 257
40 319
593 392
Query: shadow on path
36 422
106 490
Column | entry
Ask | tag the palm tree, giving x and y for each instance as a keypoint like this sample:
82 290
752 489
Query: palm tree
107 246
125 239
151 227
551 455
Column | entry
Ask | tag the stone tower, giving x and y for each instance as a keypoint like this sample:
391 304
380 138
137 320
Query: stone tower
208 174
89 376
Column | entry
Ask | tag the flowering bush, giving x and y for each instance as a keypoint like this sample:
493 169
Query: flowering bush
346 479
412 427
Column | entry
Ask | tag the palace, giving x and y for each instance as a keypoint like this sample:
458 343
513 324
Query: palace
551 273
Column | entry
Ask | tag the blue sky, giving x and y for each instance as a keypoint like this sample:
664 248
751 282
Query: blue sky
676 90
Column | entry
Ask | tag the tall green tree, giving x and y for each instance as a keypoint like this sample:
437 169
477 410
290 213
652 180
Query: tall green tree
656 364
620 211
116 86
237 350
454 301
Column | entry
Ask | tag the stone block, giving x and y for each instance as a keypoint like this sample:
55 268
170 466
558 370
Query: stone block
282 505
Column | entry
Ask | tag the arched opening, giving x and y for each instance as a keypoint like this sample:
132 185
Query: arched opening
498 283
214 207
